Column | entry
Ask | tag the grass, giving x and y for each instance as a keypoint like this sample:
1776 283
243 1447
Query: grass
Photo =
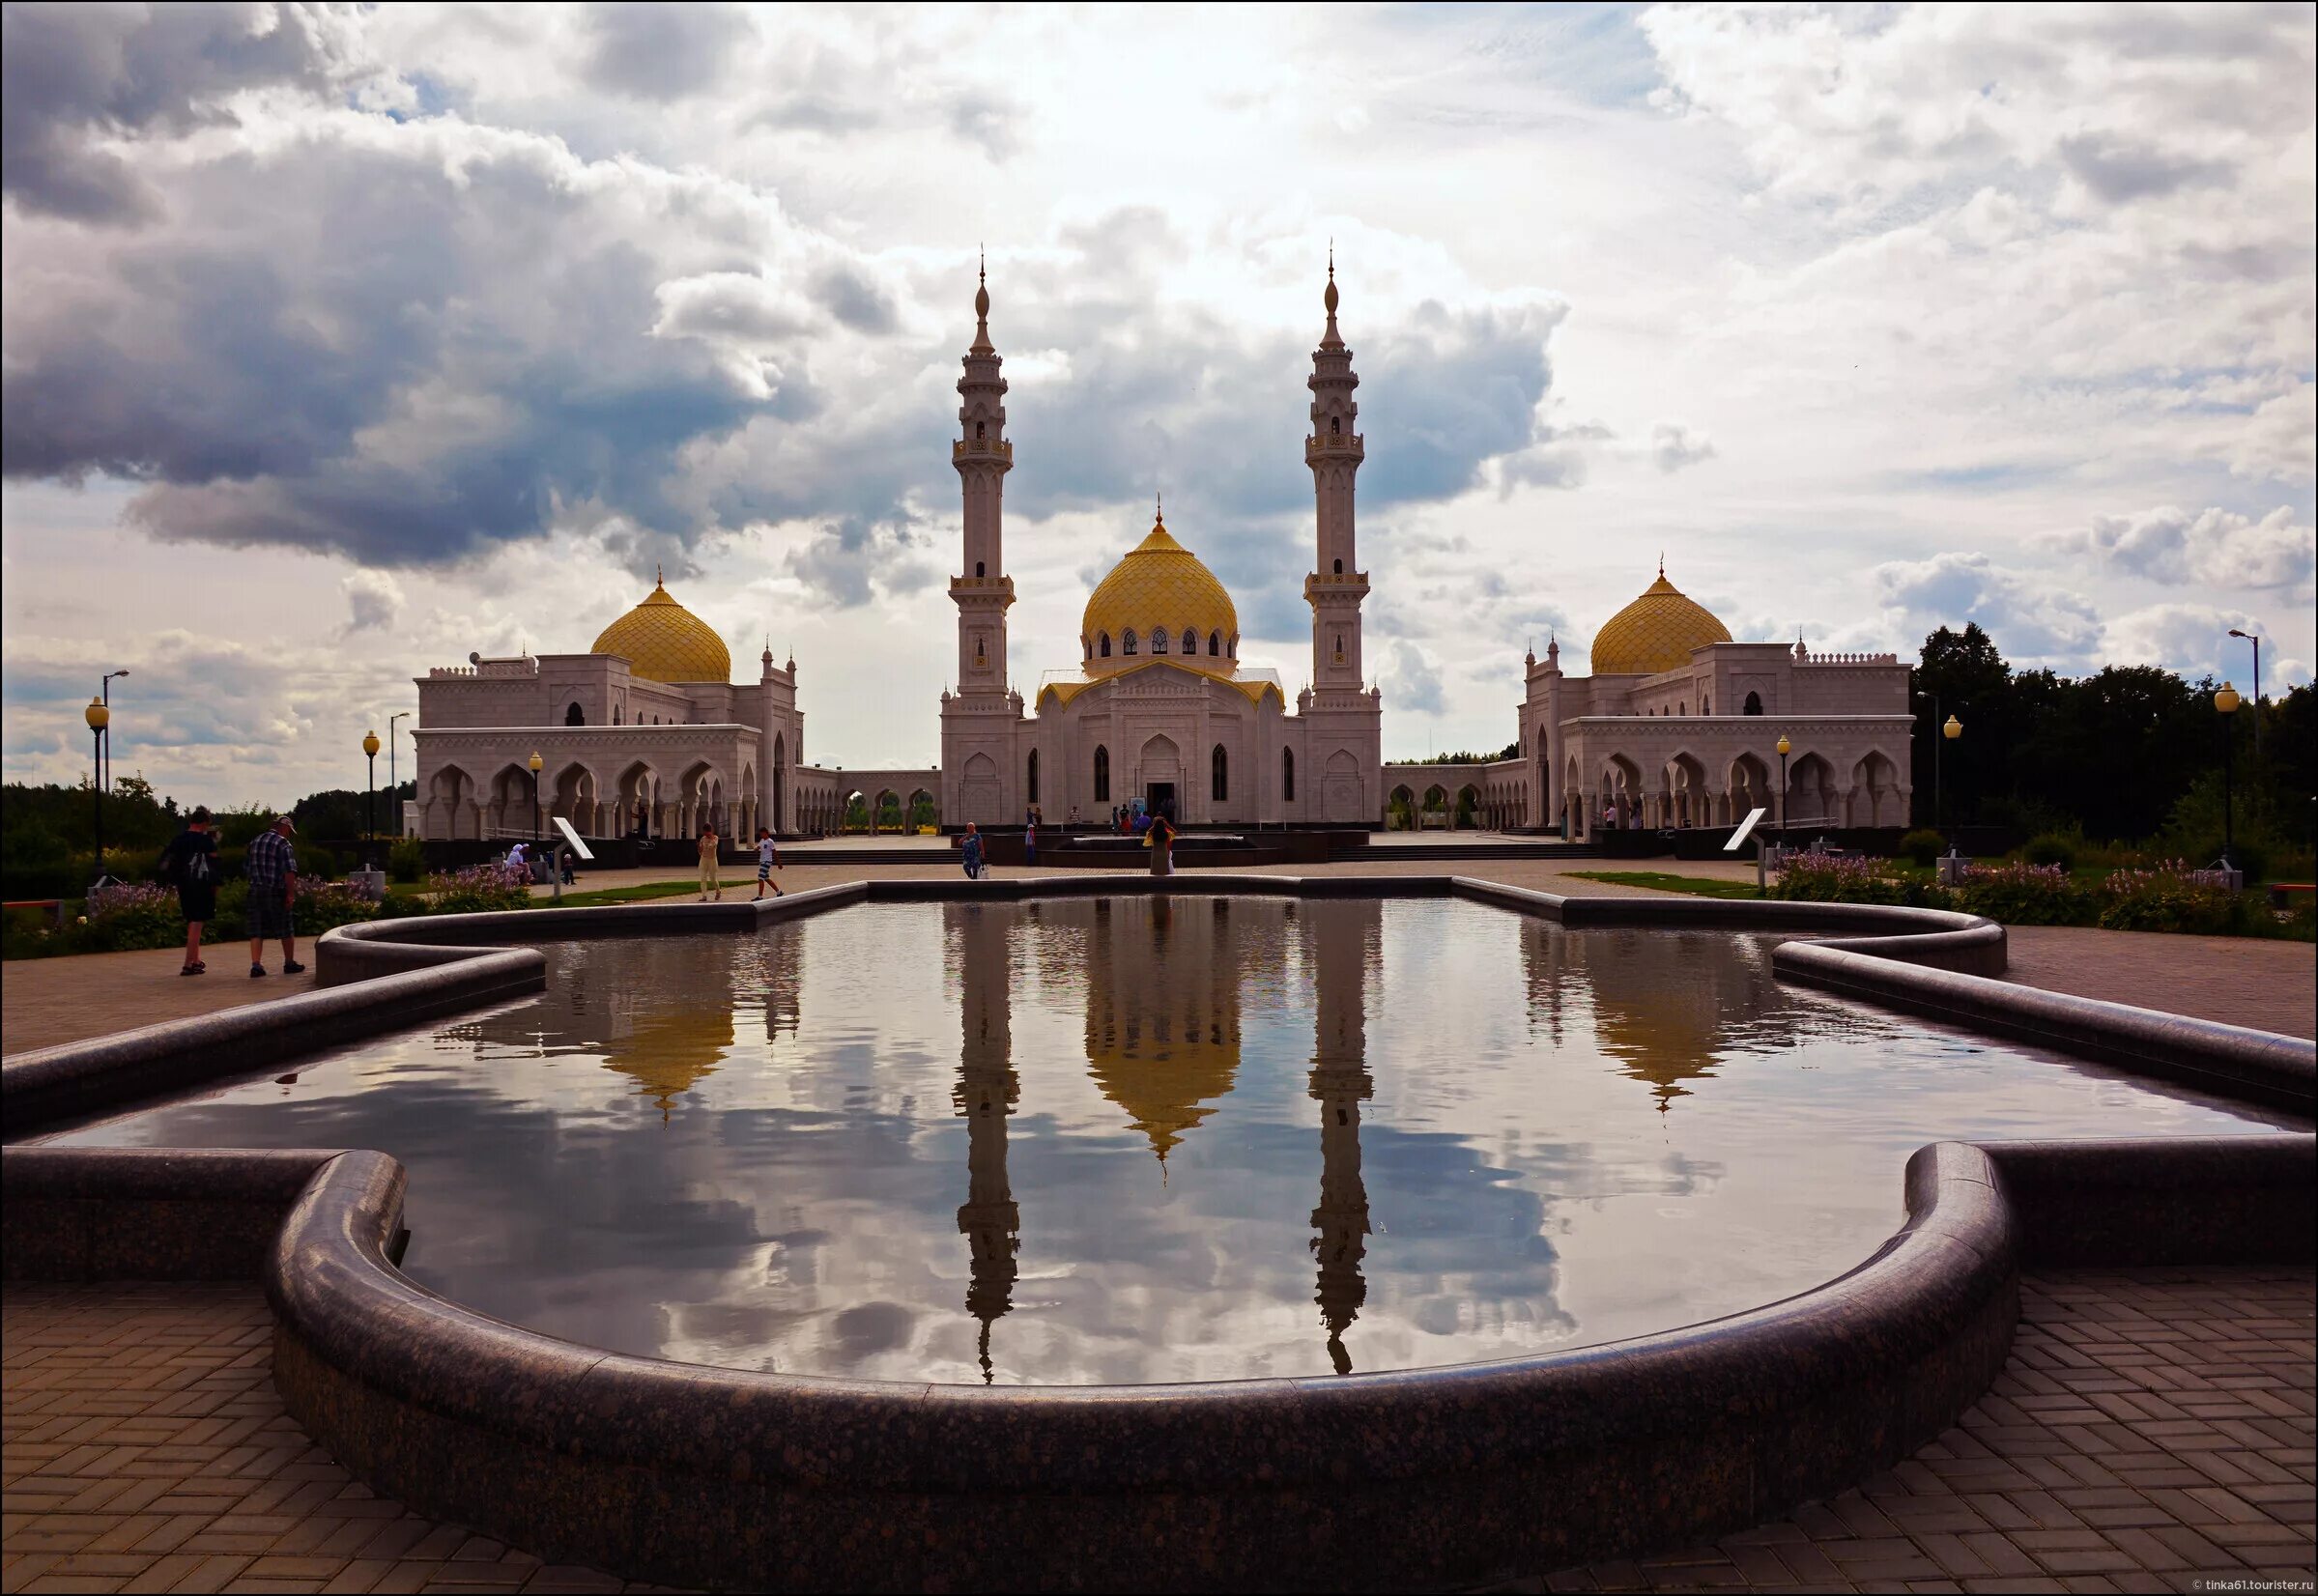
1697 886
630 895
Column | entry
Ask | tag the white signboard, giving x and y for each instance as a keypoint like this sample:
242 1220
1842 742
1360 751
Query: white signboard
1731 847
580 848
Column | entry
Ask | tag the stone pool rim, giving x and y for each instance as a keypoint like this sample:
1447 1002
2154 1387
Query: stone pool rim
1480 1470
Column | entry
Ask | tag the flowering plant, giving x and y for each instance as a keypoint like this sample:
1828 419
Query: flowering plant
478 888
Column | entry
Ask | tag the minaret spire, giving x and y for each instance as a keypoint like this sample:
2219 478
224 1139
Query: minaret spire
1334 451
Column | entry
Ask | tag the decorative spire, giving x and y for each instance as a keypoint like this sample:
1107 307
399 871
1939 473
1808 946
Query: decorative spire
1159 508
1331 339
982 306
1662 565
659 576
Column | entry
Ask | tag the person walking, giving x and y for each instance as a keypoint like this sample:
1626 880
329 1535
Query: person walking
1161 841
768 860
708 878
970 847
189 864
272 865
1030 842
518 859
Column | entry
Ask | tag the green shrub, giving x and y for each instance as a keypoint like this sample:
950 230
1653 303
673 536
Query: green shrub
406 859
1827 878
1922 845
2051 848
2025 895
478 888
322 904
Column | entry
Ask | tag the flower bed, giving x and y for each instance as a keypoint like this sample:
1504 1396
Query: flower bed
2163 897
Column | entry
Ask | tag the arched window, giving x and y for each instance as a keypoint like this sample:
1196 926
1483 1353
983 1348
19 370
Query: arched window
1339 567
1752 705
1218 774
1682 708
1102 644
977 429
1287 775
1159 640
1214 642
574 716
1126 643
615 715
1705 707
978 567
1190 640
1034 775
1336 426
1103 775
978 655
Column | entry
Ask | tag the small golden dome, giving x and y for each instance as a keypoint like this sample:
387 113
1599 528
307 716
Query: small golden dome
664 642
1160 586
1654 633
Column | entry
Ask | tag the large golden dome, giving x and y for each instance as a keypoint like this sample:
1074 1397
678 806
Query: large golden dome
664 642
1159 587
1654 633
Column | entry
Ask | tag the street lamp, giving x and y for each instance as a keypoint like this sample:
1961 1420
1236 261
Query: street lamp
2257 686
394 783
104 691
99 718
536 763
1784 747
370 752
2226 700
1949 731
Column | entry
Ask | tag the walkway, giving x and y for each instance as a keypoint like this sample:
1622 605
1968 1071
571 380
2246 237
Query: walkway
2153 1428
2271 985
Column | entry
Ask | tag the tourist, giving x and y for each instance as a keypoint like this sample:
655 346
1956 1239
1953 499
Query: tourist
1160 840
518 859
768 860
708 881
189 864
970 847
1030 840
273 864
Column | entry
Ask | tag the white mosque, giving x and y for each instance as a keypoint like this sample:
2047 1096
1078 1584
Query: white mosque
1676 727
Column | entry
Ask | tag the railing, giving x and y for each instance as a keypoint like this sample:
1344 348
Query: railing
1335 442
1336 579
997 447
1848 659
996 584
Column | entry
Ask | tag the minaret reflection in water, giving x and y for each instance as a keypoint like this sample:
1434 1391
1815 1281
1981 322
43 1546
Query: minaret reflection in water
1340 943
988 1089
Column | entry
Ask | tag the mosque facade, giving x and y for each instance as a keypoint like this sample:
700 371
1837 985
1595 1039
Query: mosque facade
1677 725
1159 707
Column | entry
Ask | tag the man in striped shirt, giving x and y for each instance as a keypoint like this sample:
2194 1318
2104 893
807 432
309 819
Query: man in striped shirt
273 885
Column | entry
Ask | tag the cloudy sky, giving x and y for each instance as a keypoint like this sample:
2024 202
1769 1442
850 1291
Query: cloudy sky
340 343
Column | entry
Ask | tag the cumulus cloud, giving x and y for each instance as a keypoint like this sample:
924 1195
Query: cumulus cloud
2191 639
75 79
1410 680
661 52
374 601
2213 546
844 561
1674 446
2031 620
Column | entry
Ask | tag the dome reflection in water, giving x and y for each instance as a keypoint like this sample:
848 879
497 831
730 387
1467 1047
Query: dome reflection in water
1136 1139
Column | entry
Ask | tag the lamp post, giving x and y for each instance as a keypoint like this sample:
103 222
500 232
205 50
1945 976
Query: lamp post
370 752
536 763
393 783
99 718
2227 702
2256 641
1784 747
1950 729
104 692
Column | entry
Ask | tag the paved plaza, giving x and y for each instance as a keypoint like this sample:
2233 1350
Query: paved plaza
2153 1428
2271 985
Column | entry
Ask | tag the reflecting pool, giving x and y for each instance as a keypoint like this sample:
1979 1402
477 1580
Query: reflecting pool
1150 1139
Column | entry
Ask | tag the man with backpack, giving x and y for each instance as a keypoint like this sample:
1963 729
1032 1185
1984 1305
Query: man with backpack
189 864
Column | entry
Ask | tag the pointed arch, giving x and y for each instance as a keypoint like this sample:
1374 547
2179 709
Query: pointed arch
1102 774
1287 775
1219 772
1031 775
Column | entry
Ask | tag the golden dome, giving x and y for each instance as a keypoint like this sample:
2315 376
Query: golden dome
1160 586
664 642
1654 633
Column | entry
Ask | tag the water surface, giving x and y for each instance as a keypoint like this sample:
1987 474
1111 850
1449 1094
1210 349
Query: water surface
1138 1139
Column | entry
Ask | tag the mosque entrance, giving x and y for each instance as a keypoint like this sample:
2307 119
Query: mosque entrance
1159 797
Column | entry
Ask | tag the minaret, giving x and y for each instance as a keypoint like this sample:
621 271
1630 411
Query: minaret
1339 946
982 456
1337 585
987 1088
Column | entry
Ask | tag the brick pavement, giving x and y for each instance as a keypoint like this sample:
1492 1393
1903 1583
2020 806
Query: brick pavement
2154 1427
